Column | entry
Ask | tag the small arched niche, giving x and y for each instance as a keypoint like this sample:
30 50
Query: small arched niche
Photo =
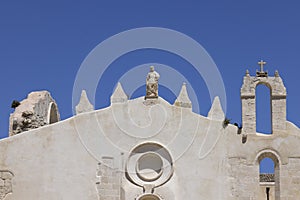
53 115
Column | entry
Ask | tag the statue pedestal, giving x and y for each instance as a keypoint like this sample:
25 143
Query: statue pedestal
151 101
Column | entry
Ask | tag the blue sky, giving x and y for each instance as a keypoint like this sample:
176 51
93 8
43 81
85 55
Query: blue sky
43 44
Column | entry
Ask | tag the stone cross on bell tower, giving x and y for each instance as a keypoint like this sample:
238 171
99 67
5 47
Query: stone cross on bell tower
261 73
278 99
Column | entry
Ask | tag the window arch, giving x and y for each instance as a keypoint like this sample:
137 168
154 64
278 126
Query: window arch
269 175
53 115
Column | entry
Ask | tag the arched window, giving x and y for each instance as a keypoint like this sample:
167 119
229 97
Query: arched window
263 109
269 176
266 166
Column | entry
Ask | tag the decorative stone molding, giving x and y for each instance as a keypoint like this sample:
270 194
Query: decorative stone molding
149 166
37 110
266 178
151 102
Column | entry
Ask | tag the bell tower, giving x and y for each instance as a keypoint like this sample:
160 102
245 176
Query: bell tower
278 99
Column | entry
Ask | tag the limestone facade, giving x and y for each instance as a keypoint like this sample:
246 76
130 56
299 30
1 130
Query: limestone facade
148 149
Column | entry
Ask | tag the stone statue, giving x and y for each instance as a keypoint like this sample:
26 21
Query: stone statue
152 84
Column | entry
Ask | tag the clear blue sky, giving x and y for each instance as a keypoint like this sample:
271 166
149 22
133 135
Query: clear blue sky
43 43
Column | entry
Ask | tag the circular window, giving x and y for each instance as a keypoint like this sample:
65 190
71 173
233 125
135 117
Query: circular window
149 166
149 163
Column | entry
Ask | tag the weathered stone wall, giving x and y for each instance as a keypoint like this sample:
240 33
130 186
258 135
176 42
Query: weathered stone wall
278 102
278 113
109 180
148 149
290 179
244 179
78 157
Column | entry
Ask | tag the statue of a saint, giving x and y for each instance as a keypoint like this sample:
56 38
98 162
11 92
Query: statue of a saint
152 84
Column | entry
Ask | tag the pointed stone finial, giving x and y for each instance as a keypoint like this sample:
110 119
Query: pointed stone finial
119 95
183 99
247 73
276 73
216 111
84 104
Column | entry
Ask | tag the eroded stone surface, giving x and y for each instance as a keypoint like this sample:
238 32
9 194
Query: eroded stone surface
37 110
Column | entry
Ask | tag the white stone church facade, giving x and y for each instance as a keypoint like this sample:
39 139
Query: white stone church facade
148 149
